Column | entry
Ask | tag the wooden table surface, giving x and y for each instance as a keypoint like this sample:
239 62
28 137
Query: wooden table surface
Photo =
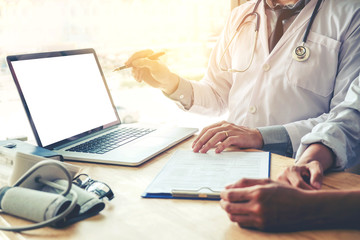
128 216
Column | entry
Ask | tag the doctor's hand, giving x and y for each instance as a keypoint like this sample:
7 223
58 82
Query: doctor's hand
265 205
223 134
153 72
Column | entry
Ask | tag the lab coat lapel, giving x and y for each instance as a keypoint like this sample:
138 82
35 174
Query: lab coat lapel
301 20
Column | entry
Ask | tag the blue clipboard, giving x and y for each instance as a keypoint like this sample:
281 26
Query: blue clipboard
183 160
187 194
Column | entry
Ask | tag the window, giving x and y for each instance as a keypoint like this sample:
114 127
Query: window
185 29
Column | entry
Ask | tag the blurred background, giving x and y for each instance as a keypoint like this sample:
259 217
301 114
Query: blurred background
185 29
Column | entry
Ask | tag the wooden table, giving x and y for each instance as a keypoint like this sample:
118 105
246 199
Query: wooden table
128 216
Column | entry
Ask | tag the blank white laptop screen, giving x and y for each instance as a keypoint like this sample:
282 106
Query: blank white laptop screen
67 102
64 103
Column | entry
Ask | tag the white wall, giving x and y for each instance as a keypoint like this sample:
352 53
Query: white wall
235 3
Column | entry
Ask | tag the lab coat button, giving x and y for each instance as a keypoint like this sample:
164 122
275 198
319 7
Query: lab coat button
266 67
252 109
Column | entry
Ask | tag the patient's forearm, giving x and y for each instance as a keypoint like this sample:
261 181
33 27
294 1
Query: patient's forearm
320 153
334 209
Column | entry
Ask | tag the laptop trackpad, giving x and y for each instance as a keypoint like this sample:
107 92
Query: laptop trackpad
139 151
151 142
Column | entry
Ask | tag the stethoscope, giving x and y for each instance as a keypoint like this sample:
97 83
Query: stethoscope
300 53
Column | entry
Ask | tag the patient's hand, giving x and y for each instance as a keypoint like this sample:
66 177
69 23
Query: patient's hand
309 169
265 205
306 176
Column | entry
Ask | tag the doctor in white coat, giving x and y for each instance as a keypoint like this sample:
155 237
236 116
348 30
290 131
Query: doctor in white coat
272 93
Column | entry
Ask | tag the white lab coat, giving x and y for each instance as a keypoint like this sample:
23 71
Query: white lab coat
340 132
277 90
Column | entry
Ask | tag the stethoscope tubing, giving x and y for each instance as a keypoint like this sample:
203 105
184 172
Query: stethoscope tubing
312 18
302 57
251 14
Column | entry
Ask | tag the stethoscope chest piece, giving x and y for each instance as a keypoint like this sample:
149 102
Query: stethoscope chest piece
301 53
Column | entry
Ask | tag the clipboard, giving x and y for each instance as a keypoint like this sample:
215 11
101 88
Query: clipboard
189 175
187 194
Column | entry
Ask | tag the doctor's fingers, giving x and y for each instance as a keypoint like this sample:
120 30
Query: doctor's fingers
209 127
206 129
139 54
155 66
157 69
240 139
226 143
144 74
210 139
137 74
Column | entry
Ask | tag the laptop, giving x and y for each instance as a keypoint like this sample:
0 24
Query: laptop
71 111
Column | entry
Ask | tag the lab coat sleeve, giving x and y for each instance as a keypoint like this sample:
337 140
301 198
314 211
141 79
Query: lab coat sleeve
340 132
183 96
348 71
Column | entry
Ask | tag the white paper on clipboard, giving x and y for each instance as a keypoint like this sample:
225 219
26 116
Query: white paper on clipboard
198 174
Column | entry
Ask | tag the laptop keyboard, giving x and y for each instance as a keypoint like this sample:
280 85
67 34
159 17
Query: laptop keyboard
112 140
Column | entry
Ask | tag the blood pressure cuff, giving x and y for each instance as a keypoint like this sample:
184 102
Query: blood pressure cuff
34 205
89 204
39 206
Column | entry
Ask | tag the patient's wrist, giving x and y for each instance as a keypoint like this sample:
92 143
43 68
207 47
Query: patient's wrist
335 208
318 152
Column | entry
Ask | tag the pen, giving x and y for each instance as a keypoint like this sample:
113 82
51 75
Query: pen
151 57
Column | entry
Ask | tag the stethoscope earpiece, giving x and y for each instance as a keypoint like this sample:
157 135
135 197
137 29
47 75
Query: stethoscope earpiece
301 53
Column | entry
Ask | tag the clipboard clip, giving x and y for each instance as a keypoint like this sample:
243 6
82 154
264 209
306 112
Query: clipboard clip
200 193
